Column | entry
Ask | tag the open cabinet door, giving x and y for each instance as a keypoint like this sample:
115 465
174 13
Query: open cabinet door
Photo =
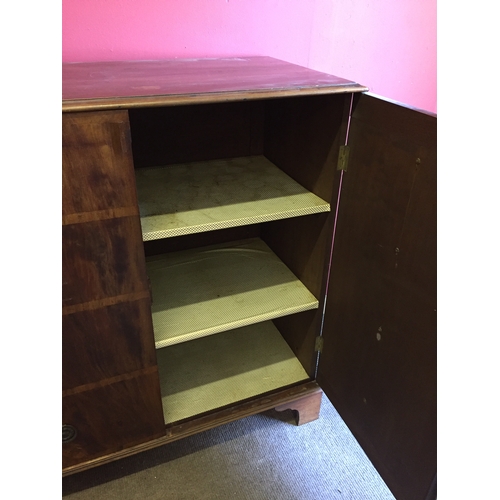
378 364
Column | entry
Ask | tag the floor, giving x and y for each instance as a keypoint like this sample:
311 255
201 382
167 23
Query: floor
263 457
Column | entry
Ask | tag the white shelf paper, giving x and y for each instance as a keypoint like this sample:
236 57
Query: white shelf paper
213 289
216 371
204 196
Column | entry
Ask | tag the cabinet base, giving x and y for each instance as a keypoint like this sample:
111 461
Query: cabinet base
306 409
304 398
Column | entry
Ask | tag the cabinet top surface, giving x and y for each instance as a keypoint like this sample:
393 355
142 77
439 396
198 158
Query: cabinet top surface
124 84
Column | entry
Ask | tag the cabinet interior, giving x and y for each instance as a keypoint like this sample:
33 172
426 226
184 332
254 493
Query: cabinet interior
236 212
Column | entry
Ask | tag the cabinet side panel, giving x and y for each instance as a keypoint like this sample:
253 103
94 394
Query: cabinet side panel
98 174
302 137
303 244
111 418
378 364
102 343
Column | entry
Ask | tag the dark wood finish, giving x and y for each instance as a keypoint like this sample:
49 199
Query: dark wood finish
109 381
111 418
300 332
166 135
306 409
98 173
432 493
102 259
379 356
378 365
104 85
111 390
303 245
303 136
106 342
206 422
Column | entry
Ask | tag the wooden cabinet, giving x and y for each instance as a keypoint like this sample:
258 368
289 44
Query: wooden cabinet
219 260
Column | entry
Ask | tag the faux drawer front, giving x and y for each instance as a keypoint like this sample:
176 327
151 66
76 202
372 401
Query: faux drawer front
98 171
111 418
106 342
102 259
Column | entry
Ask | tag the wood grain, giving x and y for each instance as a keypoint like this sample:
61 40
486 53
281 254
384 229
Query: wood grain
102 259
110 418
98 173
303 245
303 137
111 389
105 302
378 365
306 408
101 85
109 381
103 343
205 422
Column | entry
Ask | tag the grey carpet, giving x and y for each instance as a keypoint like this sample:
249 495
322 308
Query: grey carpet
263 457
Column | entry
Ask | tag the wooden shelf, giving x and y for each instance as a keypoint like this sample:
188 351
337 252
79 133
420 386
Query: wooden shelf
204 196
213 289
216 371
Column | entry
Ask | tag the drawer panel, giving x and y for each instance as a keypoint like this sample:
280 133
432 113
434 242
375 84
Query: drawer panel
98 171
107 342
112 418
102 259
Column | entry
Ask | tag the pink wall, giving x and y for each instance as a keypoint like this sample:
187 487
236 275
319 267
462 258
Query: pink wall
387 45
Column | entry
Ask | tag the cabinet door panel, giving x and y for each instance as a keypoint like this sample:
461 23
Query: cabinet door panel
378 364
113 417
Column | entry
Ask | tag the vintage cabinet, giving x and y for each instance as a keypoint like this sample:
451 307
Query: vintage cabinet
238 235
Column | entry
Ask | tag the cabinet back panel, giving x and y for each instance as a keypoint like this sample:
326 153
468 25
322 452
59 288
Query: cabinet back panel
178 134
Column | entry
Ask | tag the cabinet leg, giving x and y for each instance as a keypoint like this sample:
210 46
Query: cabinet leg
306 409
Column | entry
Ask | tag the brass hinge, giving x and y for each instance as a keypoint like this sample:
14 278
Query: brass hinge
318 344
343 158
